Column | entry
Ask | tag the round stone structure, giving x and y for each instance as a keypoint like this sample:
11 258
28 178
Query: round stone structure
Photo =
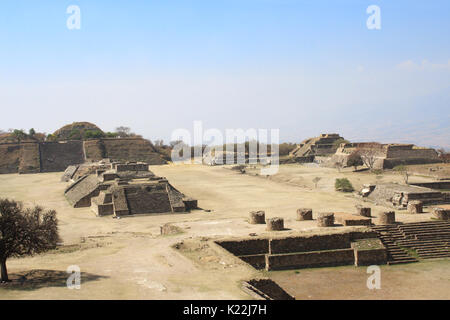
387 217
304 214
257 217
325 219
415 206
275 224
364 211
441 213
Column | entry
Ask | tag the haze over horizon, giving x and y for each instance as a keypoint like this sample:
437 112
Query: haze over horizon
304 67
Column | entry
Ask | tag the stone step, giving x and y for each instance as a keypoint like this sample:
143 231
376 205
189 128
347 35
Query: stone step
421 241
434 255
399 255
445 250
421 227
425 223
433 238
431 232
415 230
401 261
396 254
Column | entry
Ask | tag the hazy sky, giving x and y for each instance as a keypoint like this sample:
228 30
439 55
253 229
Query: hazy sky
305 67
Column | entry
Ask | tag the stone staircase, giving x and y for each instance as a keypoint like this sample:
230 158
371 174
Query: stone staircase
427 239
389 235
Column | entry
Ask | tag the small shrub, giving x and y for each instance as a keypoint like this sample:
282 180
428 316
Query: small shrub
316 181
343 185
355 160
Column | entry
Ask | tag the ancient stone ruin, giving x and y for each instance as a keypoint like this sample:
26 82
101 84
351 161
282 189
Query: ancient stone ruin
325 219
441 213
304 214
126 189
387 156
399 196
55 156
324 145
387 217
265 289
336 248
275 224
257 217
364 211
415 206
428 240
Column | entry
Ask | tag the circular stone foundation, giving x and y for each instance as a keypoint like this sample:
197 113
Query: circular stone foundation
364 212
415 207
387 217
304 214
325 219
257 217
441 213
275 224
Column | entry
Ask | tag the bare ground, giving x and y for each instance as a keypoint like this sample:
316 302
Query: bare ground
128 259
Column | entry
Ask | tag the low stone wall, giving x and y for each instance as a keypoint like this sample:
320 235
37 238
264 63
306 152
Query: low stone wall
326 258
369 252
348 219
312 243
257 261
266 289
306 251
439 185
370 257
392 163
103 209
242 247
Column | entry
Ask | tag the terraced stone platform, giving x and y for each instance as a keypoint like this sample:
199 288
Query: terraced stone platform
409 242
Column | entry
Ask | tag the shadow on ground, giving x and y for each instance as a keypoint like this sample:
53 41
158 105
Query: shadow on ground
36 279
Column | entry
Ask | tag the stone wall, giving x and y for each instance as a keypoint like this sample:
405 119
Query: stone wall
408 152
30 158
33 157
439 185
10 157
94 150
266 289
408 155
313 243
132 149
369 252
305 251
325 258
57 156
242 247
148 199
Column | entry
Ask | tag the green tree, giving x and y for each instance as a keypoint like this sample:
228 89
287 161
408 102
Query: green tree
338 142
19 135
355 160
31 132
93 134
343 185
25 232
75 134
